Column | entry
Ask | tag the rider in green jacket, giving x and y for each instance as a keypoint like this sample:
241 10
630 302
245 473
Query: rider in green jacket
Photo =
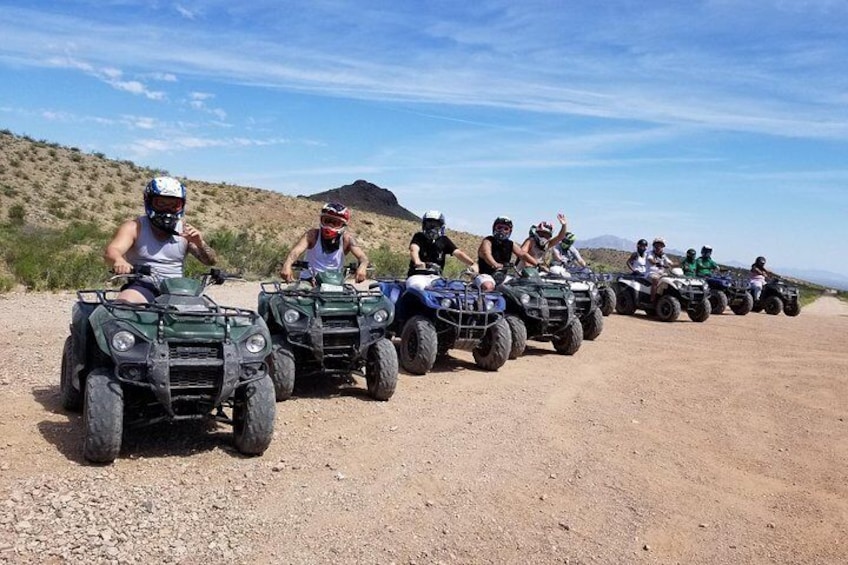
704 265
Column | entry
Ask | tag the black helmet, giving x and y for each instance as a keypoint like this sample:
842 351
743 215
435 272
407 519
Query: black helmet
502 233
690 253
760 261
642 243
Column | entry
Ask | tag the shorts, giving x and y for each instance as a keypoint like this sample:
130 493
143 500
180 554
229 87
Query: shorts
420 282
146 289
481 280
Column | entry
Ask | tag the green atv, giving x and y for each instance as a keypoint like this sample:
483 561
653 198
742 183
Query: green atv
539 309
327 326
180 357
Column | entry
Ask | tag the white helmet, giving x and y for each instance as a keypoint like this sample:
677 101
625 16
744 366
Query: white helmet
169 187
433 224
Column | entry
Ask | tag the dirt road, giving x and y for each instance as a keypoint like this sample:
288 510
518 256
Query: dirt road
717 443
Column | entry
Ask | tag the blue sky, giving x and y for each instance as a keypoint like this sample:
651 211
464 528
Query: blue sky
721 122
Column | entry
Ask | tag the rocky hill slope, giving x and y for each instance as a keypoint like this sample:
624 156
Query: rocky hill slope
366 196
47 185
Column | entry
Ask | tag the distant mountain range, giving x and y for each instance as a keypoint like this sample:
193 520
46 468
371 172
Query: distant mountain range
825 278
617 243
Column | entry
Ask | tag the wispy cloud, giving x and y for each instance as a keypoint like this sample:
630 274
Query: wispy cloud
638 66
145 147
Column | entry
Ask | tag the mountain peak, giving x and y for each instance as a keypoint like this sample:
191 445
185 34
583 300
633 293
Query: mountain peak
367 196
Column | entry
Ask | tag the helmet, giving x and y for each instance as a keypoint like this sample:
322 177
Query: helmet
506 227
690 253
642 243
433 224
545 228
334 219
659 241
542 233
569 238
168 187
706 250
760 261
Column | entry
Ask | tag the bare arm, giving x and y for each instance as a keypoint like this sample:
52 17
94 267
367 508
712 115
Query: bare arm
414 256
463 256
198 247
563 228
521 254
359 253
296 251
485 251
122 242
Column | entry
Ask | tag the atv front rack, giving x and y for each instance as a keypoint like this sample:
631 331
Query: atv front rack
103 298
309 291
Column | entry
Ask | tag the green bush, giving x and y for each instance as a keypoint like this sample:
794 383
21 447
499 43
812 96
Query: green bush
51 259
240 251
17 213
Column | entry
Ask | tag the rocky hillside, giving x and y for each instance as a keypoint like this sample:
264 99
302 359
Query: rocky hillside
45 184
366 196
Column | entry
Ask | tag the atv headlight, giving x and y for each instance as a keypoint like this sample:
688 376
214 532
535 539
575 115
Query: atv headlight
446 302
570 298
380 316
291 316
123 341
491 305
524 298
255 343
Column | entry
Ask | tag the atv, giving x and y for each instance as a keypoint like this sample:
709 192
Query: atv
602 281
727 290
778 296
445 315
546 309
325 325
180 357
633 292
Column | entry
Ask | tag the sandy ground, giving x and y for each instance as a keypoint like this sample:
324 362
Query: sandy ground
717 443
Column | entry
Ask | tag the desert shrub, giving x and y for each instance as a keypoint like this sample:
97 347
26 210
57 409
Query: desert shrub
388 263
243 252
51 259
17 214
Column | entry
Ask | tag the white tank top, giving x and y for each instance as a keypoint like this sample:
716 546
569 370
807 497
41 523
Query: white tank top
165 256
319 261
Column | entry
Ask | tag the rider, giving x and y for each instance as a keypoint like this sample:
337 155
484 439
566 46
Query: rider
327 245
705 265
637 262
689 264
657 263
566 254
496 250
159 239
758 276
541 239
431 245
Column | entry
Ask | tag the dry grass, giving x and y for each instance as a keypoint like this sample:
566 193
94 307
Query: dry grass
55 185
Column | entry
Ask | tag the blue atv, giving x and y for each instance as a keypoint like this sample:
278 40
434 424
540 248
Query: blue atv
447 314
728 290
